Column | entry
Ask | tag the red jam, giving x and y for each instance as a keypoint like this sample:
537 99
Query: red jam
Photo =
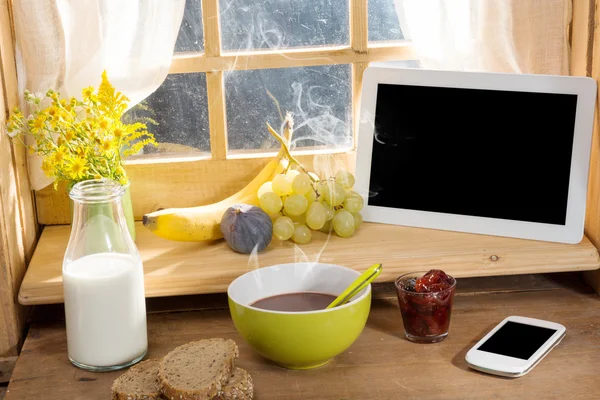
426 303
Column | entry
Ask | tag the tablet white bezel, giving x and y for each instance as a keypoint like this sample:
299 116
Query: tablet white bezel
510 366
584 88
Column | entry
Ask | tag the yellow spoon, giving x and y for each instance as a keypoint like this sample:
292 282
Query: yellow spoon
359 284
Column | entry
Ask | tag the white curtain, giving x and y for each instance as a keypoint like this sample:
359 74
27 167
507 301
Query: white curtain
520 36
66 44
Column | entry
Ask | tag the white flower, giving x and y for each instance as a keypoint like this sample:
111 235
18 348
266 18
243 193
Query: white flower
10 133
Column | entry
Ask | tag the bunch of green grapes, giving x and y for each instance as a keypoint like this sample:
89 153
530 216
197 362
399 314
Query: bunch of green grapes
300 203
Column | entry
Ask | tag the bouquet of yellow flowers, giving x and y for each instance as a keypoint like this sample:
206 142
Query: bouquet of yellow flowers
81 139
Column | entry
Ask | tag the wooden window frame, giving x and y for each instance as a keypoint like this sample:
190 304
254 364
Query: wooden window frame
184 181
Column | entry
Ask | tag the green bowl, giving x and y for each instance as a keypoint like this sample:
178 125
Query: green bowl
298 340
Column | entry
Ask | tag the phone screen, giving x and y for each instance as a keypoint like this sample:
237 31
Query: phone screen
517 340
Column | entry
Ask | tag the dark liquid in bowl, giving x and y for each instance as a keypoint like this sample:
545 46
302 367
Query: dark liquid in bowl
295 302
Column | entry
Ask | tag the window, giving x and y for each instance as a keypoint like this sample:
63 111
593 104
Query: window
264 52
237 65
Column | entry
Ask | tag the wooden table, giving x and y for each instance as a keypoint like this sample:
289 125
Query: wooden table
380 365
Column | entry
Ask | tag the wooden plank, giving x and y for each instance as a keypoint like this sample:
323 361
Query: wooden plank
185 182
176 268
12 251
17 231
359 26
7 364
585 53
582 37
380 365
246 60
212 29
216 115
358 70
8 71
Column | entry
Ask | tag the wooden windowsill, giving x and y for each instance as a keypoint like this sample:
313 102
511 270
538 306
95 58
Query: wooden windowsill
178 268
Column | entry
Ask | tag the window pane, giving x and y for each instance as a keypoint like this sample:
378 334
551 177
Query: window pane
384 22
276 24
319 97
191 36
179 108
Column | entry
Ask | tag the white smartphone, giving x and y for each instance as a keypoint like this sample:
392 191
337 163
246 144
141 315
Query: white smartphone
515 346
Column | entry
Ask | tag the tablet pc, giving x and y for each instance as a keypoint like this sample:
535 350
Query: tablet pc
488 153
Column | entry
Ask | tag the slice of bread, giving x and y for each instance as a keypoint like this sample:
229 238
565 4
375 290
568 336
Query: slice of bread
140 382
197 370
239 387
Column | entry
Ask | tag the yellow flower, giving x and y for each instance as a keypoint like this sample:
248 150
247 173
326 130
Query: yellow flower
48 166
81 150
60 155
118 133
78 139
87 92
78 168
106 145
39 122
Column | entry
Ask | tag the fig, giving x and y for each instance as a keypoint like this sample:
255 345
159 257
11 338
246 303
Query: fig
246 227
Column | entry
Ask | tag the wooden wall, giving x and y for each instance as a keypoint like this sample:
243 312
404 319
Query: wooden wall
18 226
585 61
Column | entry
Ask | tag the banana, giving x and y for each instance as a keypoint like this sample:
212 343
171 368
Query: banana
196 224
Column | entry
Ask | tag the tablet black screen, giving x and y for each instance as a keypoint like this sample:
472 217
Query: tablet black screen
487 153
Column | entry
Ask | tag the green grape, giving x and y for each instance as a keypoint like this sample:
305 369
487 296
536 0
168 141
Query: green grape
295 205
302 184
292 173
282 185
327 227
345 178
333 193
283 228
270 203
358 220
354 202
329 213
275 216
265 187
302 234
315 216
311 196
301 219
343 223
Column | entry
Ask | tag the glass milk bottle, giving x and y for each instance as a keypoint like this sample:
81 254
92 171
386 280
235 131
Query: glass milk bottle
103 281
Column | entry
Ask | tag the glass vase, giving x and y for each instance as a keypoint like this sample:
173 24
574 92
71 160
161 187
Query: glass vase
103 281
127 208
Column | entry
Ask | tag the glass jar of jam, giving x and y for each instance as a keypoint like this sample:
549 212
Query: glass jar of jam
425 300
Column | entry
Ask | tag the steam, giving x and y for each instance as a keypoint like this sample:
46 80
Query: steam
315 100
317 123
